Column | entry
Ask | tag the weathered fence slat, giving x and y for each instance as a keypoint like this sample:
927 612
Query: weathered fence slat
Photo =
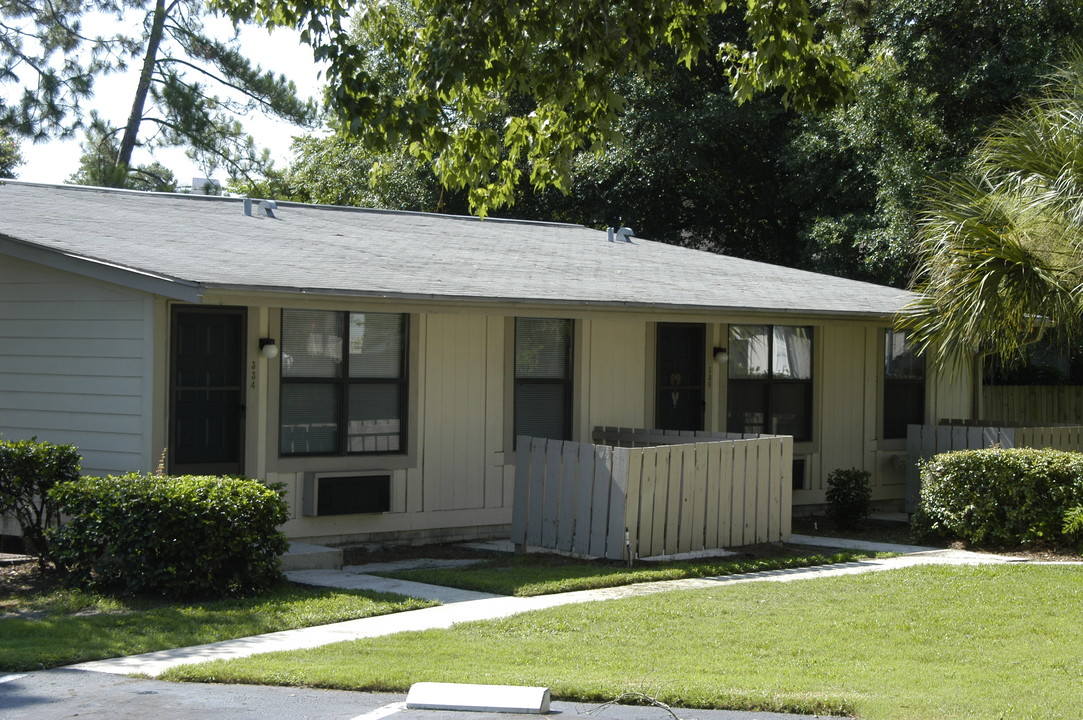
701 487
583 503
712 520
520 506
647 488
686 502
674 504
618 496
737 517
633 499
603 475
537 489
569 469
725 494
551 494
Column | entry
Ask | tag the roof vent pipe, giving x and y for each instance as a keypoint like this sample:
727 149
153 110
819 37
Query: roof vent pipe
265 208
625 234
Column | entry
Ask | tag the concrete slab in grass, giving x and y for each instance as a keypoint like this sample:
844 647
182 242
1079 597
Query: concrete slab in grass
478 698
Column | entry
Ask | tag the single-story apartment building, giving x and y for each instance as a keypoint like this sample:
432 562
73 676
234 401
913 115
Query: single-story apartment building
381 364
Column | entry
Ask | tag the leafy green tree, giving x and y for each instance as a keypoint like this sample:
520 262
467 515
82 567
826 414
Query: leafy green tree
339 170
11 156
472 62
180 68
935 74
693 167
1002 244
98 165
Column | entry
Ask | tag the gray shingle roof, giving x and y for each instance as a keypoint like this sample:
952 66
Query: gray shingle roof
211 243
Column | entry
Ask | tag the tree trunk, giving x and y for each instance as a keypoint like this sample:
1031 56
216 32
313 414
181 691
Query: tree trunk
127 143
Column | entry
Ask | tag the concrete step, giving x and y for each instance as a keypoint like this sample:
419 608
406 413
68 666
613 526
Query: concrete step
303 556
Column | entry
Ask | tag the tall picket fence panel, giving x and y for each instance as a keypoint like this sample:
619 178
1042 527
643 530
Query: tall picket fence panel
652 498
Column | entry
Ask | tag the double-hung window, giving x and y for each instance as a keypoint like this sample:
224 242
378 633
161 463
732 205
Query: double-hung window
543 378
770 380
343 386
904 385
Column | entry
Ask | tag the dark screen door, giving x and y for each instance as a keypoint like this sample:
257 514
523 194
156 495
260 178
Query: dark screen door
680 400
207 391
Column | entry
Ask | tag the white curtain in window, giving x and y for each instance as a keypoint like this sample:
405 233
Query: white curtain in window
793 352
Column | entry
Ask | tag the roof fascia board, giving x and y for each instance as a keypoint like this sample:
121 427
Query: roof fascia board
171 288
281 297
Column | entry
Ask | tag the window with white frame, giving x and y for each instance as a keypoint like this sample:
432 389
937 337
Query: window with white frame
904 385
543 377
343 383
770 380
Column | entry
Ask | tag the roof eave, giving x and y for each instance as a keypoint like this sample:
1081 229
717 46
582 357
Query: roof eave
163 285
556 302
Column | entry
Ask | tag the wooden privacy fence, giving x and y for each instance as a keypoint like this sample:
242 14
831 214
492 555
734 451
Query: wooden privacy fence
1034 404
924 441
667 496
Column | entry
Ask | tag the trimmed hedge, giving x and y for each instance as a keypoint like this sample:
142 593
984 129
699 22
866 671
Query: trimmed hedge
28 470
1001 497
185 537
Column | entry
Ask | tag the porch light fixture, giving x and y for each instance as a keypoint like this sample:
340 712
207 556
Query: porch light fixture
720 355
267 348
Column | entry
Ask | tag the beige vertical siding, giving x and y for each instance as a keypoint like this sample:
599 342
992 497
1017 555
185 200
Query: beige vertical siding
456 349
842 415
614 367
75 366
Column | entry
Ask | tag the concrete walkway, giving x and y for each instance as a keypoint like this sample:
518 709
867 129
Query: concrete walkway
463 606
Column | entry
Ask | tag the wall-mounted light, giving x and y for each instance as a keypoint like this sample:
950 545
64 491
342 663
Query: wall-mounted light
267 348
720 355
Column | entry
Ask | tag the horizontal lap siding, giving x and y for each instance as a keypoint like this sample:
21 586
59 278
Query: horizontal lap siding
74 364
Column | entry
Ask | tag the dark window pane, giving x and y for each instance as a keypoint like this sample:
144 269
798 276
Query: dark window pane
904 404
747 407
309 419
543 377
374 416
904 385
541 410
791 405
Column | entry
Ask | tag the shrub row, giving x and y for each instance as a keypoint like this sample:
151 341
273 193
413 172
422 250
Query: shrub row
1002 497
183 536
28 470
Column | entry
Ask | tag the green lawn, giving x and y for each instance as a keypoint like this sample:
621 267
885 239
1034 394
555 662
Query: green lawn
1003 641
66 627
528 575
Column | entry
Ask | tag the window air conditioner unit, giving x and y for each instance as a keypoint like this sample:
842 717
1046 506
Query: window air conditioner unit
346 493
